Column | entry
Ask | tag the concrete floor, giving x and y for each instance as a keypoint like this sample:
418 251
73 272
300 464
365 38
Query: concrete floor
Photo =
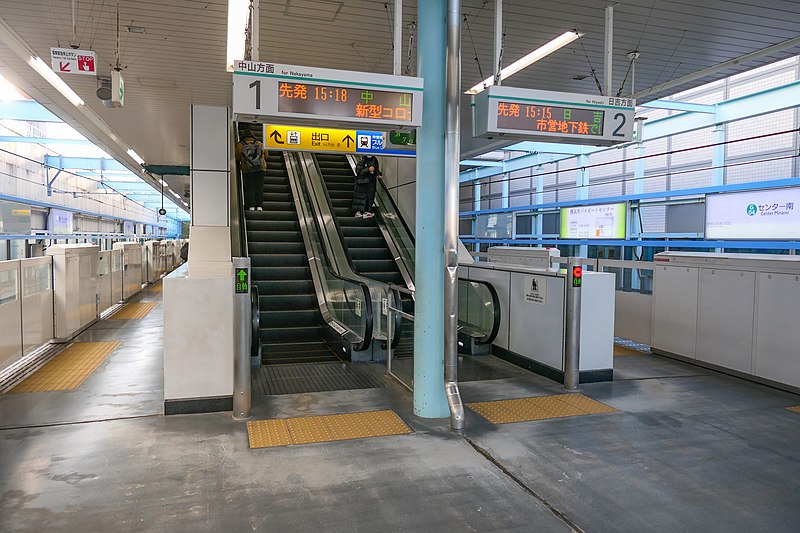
689 450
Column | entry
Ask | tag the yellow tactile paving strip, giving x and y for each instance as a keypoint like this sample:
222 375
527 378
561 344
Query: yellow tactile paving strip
624 350
156 287
69 369
133 310
795 409
539 408
329 428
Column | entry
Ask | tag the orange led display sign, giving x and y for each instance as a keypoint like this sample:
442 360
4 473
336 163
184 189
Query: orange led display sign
349 102
552 119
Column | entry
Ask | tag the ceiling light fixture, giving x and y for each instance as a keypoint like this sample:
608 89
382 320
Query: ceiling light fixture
52 78
136 157
135 29
238 14
163 183
176 195
559 42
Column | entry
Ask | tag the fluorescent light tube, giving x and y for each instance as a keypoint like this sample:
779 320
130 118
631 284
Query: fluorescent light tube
238 15
176 195
559 42
136 157
52 78
164 183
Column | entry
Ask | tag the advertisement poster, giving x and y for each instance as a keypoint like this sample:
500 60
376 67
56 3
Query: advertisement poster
604 221
771 214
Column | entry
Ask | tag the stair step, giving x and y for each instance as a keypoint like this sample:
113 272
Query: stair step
281 273
273 225
290 334
287 302
287 287
278 260
281 248
289 318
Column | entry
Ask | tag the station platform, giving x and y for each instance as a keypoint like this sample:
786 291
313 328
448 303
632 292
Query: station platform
670 447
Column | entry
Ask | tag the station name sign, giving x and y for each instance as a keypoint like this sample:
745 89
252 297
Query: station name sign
553 117
307 96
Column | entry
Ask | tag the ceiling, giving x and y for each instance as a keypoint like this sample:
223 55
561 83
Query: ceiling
180 59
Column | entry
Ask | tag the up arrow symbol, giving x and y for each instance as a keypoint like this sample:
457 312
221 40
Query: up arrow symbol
242 275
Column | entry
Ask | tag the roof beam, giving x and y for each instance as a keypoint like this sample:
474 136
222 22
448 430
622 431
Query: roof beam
83 163
42 140
680 106
28 110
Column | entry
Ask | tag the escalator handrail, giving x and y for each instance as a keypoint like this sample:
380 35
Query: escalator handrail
331 207
367 310
255 322
496 316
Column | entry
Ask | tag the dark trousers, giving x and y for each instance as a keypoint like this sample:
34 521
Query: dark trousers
253 188
364 196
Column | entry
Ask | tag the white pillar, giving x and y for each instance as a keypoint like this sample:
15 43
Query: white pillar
608 71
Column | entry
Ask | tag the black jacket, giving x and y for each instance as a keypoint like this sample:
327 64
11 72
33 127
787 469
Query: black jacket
363 175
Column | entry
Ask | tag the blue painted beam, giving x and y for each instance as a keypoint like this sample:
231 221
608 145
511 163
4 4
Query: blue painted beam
788 182
480 163
43 140
759 245
28 110
680 106
549 148
35 203
83 163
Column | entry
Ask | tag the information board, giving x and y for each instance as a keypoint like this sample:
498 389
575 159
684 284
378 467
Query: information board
768 214
318 139
284 94
553 117
602 221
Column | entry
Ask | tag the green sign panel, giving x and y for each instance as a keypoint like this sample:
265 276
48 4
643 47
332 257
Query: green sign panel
242 281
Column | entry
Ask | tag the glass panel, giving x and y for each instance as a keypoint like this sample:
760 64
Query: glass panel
632 279
475 308
394 224
8 286
35 279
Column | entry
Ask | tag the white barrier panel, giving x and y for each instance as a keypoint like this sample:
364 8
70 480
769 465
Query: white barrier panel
131 268
104 281
37 302
10 313
731 311
75 287
116 276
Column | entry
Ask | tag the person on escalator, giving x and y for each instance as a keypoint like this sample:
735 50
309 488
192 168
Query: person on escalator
368 171
252 160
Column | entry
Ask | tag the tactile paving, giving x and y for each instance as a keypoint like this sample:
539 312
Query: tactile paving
795 409
158 286
133 310
539 408
69 369
624 350
328 428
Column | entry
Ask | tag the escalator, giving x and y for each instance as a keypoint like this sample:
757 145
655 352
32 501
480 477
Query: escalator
363 238
369 252
291 322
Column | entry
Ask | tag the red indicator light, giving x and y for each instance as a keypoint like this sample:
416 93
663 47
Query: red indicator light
577 272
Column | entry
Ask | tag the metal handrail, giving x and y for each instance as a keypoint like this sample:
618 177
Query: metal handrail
255 320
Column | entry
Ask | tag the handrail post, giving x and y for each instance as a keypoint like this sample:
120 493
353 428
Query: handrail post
242 388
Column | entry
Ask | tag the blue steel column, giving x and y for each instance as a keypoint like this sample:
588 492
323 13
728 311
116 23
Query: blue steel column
429 314
582 181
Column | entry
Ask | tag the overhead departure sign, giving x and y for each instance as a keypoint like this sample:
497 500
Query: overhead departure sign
316 139
553 117
304 95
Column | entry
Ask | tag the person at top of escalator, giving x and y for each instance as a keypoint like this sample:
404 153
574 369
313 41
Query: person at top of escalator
252 159
368 171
